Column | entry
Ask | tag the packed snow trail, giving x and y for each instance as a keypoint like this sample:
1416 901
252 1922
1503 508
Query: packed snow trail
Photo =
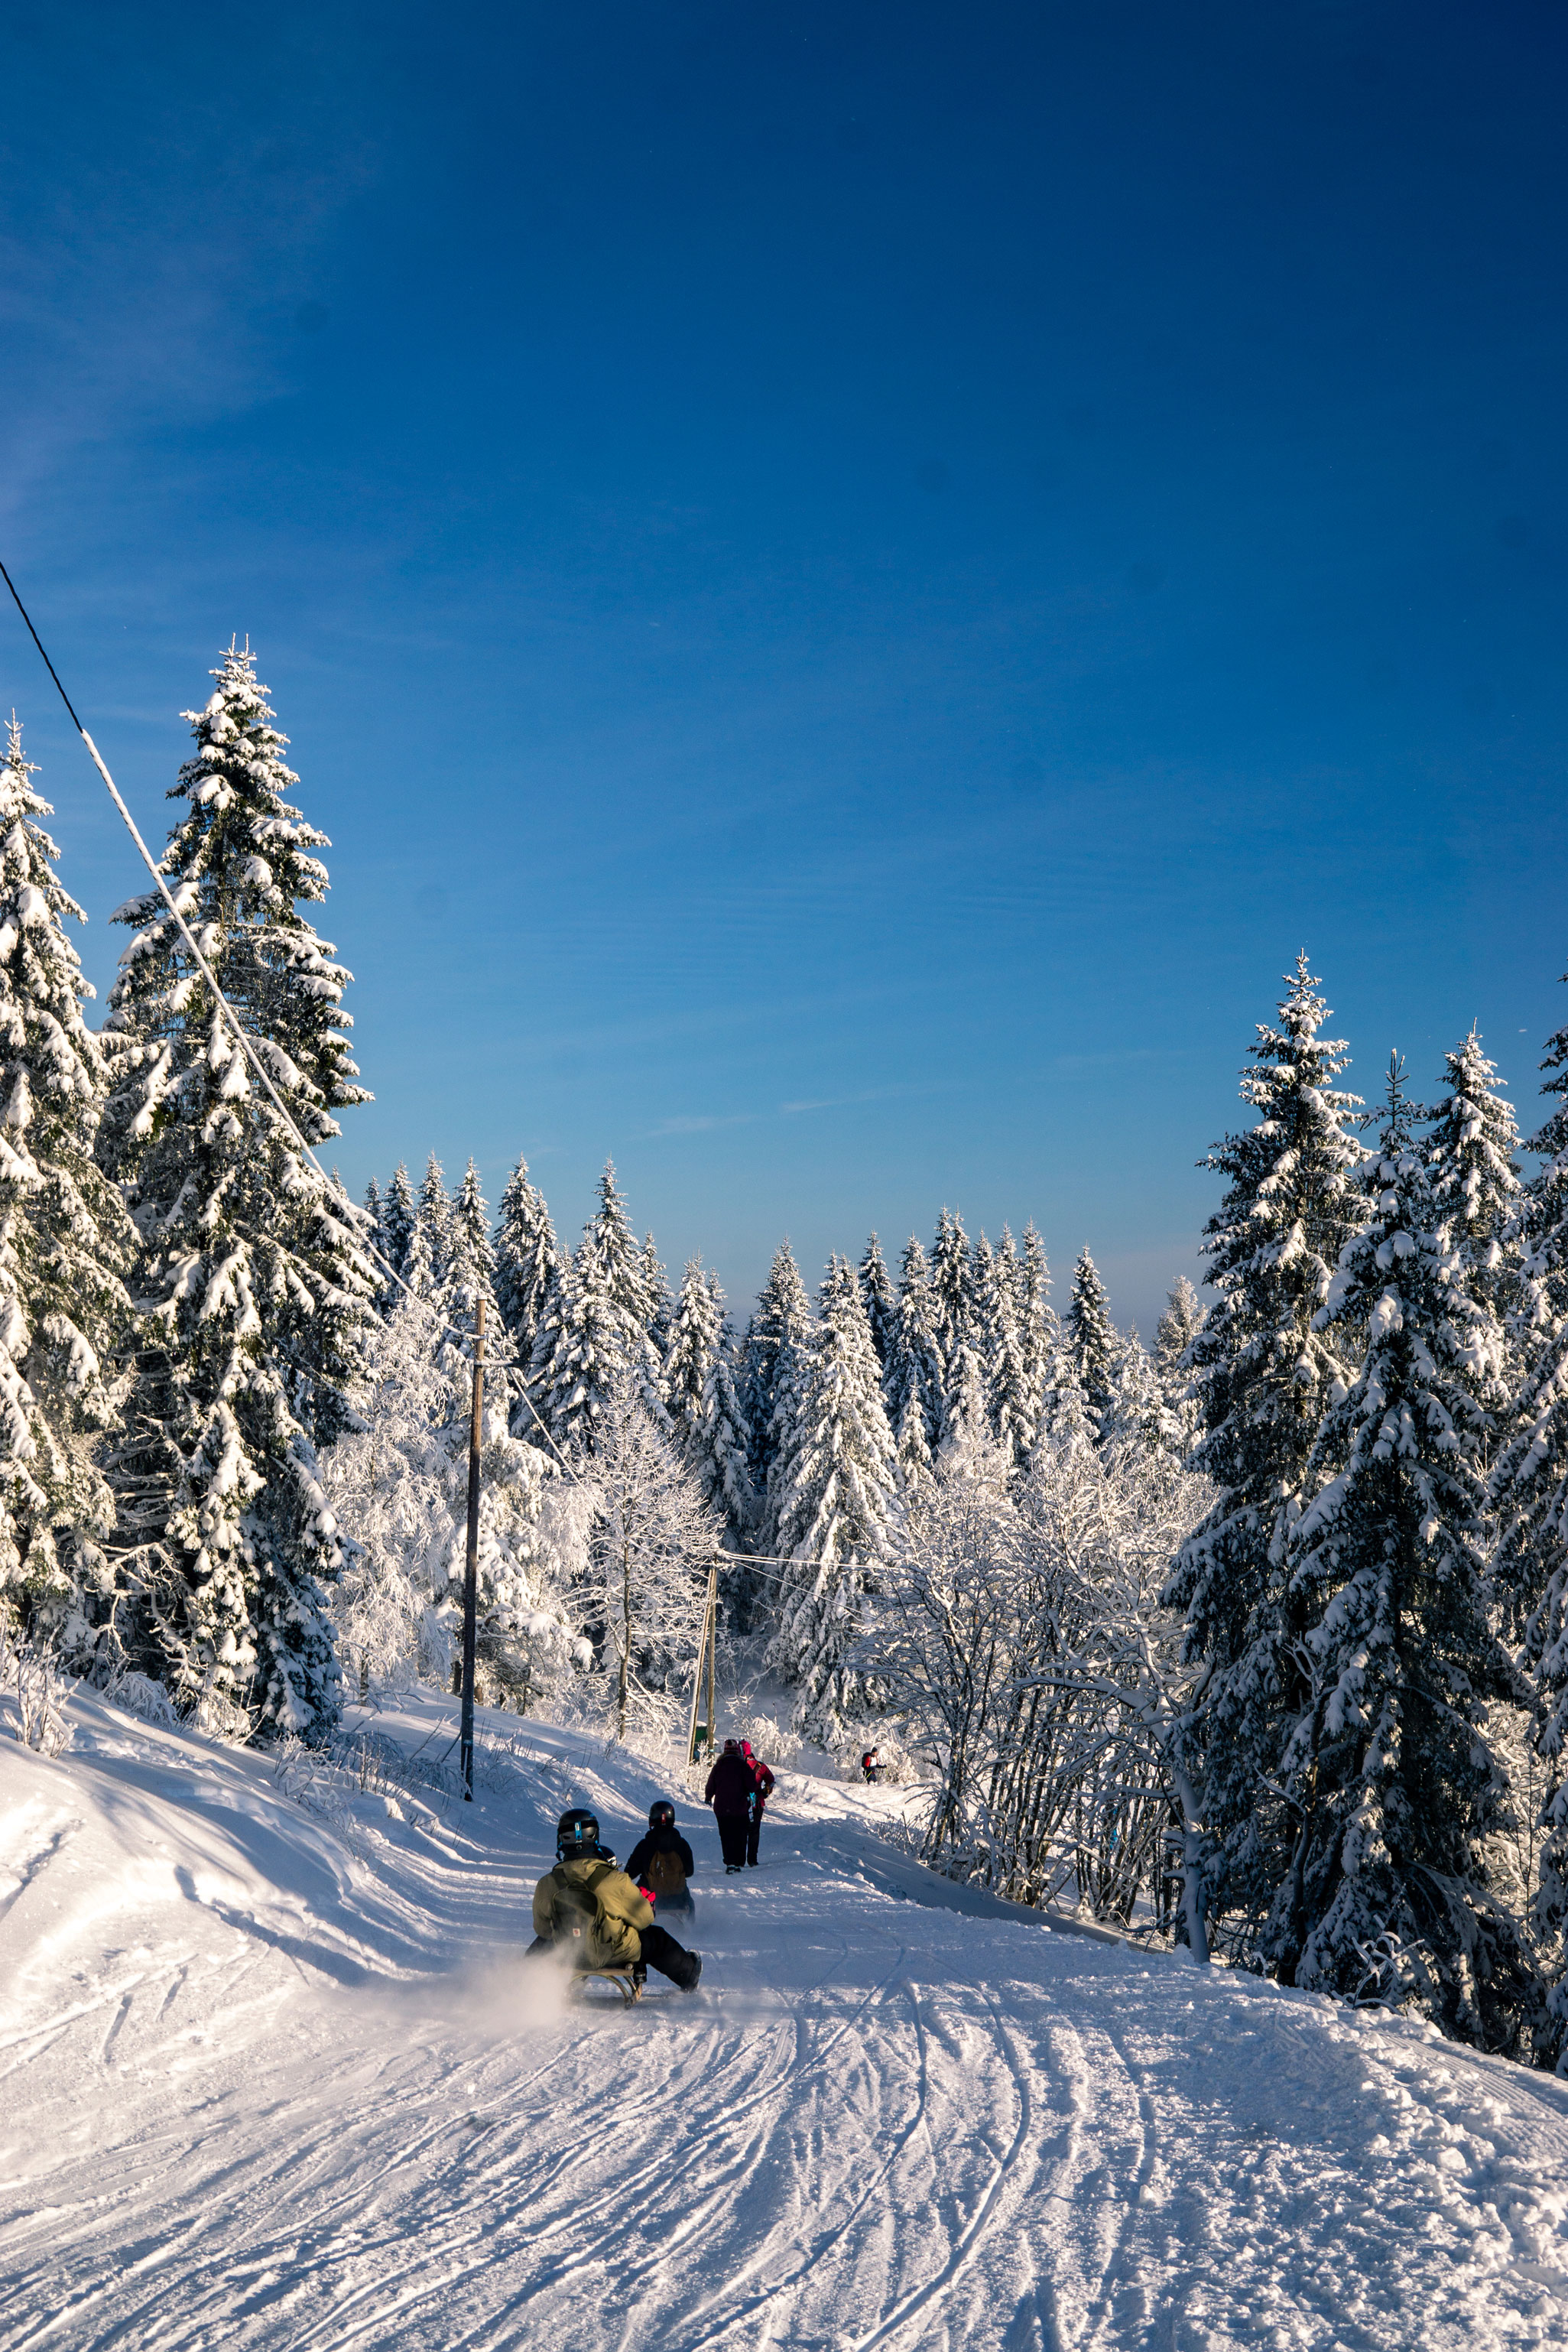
269 2084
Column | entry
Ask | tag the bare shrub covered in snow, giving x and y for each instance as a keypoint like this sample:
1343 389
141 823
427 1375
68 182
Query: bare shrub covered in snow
1034 1672
650 1538
397 1486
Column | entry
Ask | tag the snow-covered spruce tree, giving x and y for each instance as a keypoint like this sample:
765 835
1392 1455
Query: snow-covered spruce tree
375 1233
953 1327
433 1221
1012 1406
596 1324
659 1298
1138 1413
526 1261
693 1344
835 1519
1390 1781
1039 1331
724 1458
1179 1325
652 1537
65 1242
773 1340
1528 1495
470 1276
1093 1336
877 1296
254 1284
1066 1422
1264 1372
399 1211
1472 1148
781 1313
911 1380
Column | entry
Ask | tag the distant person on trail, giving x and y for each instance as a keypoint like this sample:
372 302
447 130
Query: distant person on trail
762 1781
591 1911
731 1792
661 1863
871 1764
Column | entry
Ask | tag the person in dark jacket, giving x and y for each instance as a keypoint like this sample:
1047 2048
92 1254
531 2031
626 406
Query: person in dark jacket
764 1784
731 1792
661 1863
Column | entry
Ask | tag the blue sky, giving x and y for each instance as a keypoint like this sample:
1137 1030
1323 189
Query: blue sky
848 585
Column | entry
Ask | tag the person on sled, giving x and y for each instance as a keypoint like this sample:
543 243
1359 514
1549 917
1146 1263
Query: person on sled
661 1863
732 1794
590 1911
764 1784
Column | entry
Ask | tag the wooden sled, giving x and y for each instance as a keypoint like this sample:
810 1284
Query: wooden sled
624 1982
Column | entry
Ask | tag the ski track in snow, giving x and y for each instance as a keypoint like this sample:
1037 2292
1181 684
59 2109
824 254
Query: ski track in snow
266 2087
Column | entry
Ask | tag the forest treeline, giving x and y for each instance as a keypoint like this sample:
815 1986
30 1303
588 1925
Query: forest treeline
1256 1640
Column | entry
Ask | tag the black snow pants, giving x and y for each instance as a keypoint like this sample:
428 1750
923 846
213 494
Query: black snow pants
753 1831
732 1830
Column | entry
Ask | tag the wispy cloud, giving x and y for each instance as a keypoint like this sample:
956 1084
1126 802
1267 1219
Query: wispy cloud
701 1123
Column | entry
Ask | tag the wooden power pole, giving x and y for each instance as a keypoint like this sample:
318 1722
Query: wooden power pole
471 1564
704 1664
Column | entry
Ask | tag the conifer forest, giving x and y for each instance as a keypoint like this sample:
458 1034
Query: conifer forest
1254 1639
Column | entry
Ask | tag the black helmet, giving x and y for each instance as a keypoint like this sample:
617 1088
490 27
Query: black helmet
660 1815
575 1833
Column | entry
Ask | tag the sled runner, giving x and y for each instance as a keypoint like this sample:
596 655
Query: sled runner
622 1979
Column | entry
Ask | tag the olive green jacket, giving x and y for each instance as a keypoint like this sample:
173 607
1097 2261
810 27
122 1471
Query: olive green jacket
562 1919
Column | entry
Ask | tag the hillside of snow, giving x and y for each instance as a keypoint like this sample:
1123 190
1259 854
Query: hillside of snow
273 2076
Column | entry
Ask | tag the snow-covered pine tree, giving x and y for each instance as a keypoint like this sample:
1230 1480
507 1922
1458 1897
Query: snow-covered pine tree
1012 1412
596 1321
470 1276
1263 1373
1392 1787
701 1400
660 1304
725 1459
256 1284
953 1321
783 1315
911 1380
693 1344
65 1242
1138 1413
375 1233
1093 1336
877 1296
1472 1148
788 1384
527 1260
1528 1495
1039 1331
433 1223
399 1211
835 1517
1179 1325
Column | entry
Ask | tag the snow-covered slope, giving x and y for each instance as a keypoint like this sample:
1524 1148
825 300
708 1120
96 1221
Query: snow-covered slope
269 2082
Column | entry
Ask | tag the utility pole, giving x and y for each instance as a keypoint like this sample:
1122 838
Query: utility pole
471 1565
705 1659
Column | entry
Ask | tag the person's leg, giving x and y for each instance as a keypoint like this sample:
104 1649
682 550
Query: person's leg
661 1951
732 1839
753 1831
